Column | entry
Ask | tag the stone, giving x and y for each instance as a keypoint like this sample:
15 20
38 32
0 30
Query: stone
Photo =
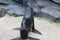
2 12
35 7
2 3
18 1
23 2
6 2
58 1
44 3
19 10
51 12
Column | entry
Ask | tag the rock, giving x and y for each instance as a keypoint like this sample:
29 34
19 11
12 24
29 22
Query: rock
6 2
51 12
2 12
18 1
3 3
19 10
35 8
23 2
44 3
57 1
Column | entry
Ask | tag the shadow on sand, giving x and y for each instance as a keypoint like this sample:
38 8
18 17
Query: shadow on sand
35 31
30 38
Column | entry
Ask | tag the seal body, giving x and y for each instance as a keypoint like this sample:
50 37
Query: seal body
27 24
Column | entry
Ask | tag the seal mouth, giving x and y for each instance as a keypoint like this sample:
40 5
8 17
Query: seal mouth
56 2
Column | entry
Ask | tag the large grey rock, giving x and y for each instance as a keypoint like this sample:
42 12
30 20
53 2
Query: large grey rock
2 12
19 10
6 1
51 12
58 1
45 3
35 7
